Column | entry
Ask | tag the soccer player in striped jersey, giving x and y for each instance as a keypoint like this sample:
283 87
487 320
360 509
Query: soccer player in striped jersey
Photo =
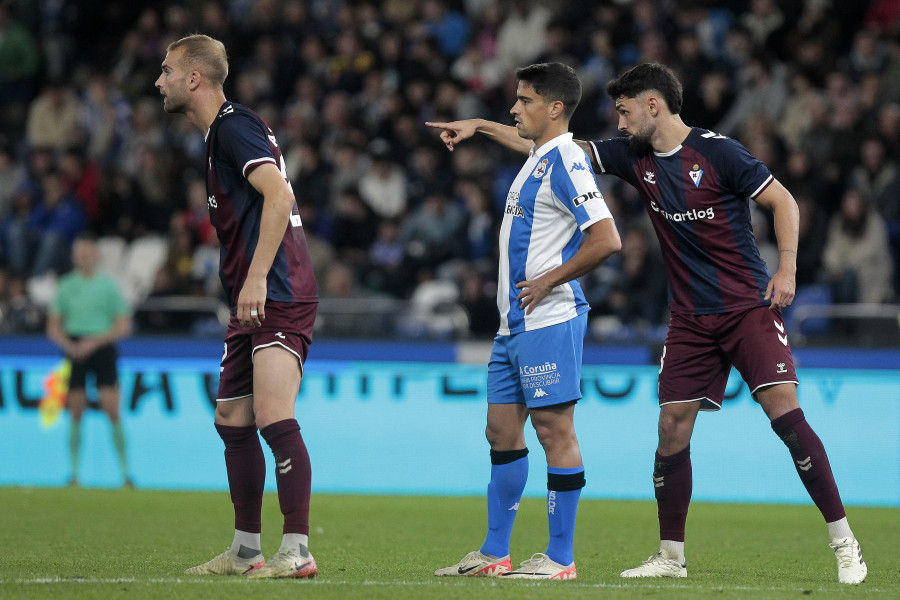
267 275
556 228
725 307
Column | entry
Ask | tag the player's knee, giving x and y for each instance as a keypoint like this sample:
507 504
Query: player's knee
555 434
504 437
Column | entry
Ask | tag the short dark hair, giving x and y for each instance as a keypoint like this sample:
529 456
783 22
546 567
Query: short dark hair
646 77
554 81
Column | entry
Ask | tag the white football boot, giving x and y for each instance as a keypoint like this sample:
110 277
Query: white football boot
228 563
476 564
852 568
658 565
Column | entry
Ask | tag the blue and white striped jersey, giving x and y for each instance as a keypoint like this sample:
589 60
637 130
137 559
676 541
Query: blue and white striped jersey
552 200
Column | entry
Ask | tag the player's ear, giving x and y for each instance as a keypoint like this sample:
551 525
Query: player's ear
556 109
194 80
653 105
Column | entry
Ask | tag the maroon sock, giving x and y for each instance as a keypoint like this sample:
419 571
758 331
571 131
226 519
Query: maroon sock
811 463
292 473
246 467
673 481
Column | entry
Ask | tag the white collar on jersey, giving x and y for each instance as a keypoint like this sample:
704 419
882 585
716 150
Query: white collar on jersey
566 137
674 150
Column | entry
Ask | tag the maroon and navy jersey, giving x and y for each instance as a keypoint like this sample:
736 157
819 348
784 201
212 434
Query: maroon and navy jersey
238 141
697 197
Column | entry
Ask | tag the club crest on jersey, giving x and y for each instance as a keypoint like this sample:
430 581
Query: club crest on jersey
540 170
512 205
696 174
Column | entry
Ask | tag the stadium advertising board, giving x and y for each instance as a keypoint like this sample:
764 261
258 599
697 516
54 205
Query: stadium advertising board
418 428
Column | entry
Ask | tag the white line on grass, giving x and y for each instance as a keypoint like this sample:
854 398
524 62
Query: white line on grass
444 582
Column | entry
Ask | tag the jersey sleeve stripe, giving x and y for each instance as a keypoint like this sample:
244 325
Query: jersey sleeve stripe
597 158
764 185
252 164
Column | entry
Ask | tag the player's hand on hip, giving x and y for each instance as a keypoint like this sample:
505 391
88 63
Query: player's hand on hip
251 309
454 131
532 293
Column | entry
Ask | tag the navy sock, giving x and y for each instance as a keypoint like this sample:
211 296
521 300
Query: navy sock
509 472
563 492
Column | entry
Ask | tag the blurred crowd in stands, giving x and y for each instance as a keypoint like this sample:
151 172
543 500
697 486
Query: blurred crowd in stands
811 87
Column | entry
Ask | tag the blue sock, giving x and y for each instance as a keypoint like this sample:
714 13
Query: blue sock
564 490
509 472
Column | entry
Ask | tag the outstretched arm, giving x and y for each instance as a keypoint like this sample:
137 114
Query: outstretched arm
783 285
457 131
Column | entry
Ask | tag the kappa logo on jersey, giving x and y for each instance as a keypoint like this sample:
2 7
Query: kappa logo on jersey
578 201
227 111
512 205
650 177
696 174
578 167
541 169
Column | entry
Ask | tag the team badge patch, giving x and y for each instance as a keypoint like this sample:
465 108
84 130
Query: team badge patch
696 174
541 169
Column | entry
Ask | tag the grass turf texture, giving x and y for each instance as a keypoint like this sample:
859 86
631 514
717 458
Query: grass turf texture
89 543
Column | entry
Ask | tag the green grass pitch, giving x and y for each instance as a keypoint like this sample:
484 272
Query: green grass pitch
90 543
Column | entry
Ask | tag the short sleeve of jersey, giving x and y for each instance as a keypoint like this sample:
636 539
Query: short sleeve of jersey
576 187
743 174
243 140
58 306
614 157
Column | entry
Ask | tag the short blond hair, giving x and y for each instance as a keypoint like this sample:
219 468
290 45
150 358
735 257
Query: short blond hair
204 54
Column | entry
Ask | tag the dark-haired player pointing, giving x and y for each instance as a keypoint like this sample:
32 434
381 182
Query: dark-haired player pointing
726 309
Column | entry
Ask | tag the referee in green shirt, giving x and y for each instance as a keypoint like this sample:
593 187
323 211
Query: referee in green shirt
88 316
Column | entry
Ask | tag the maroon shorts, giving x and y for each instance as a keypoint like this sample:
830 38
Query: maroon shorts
288 325
701 349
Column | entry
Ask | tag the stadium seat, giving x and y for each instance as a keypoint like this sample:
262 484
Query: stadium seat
809 295
434 312
110 255
143 258
41 289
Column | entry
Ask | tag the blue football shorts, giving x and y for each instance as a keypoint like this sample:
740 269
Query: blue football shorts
538 368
